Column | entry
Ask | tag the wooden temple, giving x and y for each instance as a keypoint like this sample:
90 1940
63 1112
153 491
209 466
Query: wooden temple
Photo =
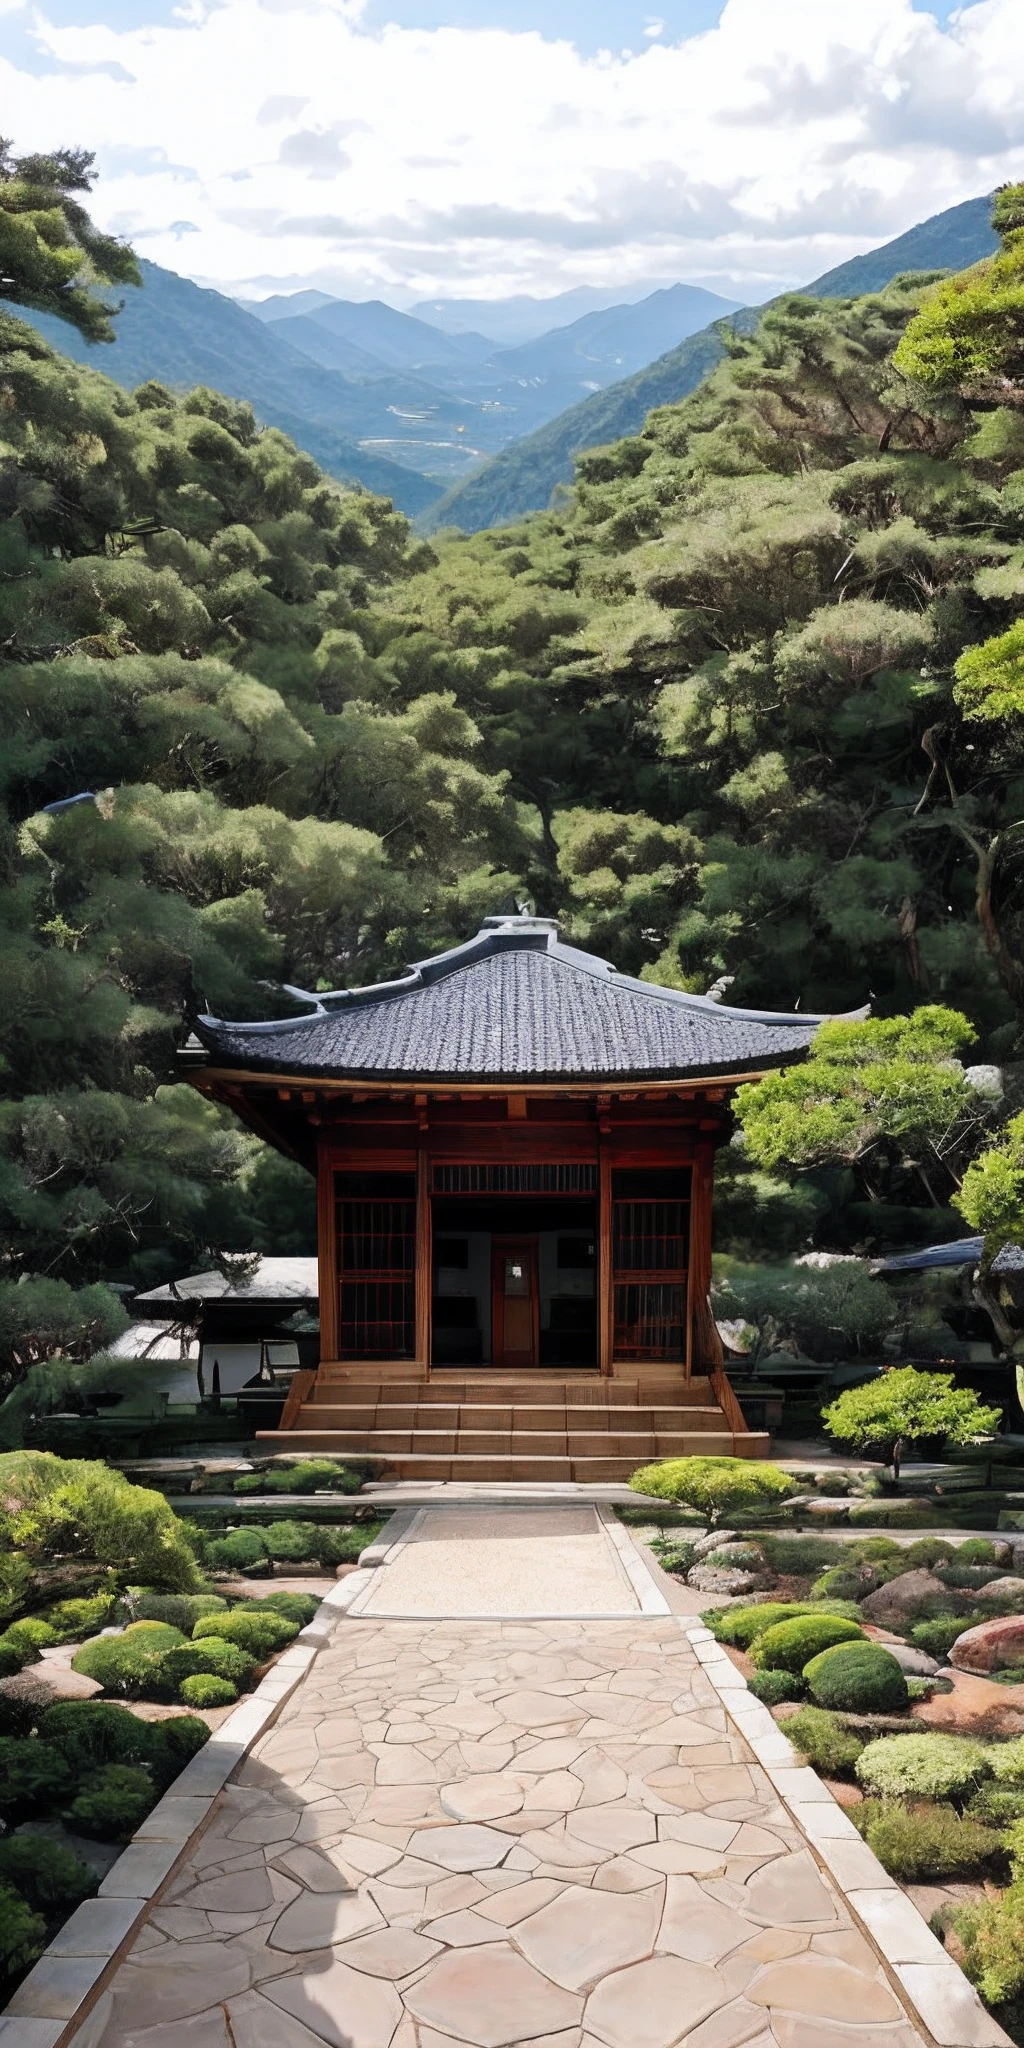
514 1152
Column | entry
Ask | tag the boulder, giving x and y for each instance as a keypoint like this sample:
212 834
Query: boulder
892 1604
914 1663
714 1540
709 1578
990 1646
1006 1592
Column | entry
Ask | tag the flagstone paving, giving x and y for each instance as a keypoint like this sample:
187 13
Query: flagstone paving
475 1834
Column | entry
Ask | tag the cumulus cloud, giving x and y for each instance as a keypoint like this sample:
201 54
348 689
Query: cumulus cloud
761 151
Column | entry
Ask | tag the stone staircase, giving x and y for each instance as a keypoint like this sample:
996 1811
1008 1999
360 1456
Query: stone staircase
491 1427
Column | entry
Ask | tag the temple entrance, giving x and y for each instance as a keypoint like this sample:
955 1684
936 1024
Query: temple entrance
514 1283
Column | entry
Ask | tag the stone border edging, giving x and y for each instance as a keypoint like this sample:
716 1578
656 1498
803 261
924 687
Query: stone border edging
933 1986
55 2000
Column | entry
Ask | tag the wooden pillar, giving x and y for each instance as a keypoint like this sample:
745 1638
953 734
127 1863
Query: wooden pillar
327 1255
423 1258
704 1346
605 1294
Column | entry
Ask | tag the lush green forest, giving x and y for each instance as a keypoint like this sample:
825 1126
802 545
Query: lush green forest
706 712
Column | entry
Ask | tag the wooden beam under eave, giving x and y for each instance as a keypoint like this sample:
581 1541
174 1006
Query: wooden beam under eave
468 1091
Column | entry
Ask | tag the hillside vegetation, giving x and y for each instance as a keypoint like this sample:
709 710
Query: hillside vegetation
704 712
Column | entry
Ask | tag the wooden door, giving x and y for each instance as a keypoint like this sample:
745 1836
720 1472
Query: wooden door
515 1303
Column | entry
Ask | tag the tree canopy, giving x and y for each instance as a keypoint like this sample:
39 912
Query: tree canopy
52 257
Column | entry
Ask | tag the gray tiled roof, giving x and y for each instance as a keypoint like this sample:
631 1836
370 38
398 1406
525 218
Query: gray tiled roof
516 1004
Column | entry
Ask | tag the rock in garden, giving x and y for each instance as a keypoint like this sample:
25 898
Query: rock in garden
710 1578
714 1540
991 1646
914 1663
1008 1591
901 1597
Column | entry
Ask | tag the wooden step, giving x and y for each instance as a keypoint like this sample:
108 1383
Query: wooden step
358 1416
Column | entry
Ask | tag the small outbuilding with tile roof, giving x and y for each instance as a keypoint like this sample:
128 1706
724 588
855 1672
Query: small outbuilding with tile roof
514 1150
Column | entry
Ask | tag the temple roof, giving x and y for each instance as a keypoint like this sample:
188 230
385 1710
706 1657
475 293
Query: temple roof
512 1004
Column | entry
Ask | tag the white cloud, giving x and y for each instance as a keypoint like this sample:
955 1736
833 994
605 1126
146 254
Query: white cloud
765 150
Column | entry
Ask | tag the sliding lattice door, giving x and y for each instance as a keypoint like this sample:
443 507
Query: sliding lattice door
650 1237
375 1236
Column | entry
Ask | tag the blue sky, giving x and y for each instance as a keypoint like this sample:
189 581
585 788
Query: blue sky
419 148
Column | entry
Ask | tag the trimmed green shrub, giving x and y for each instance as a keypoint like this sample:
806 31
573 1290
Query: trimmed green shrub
205 1689
716 1486
801 1557
26 1638
937 1635
740 1626
79 1507
963 1578
822 1739
291 1542
790 1645
312 1475
928 1552
996 1805
72 1619
19 1712
976 1550
212 1654
926 1843
299 1607
673 1556
161 1634
1008 1762
846 1582
89 1733
10 1662
52 1878
22 1935
991 1933
180 1610
242 1550
772 1687
904 1405
930 1766
877 1550
181 1737
33 1777
252 1629
128 1666
112 1802
857 1678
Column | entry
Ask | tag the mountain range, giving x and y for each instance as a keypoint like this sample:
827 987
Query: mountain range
378 396
522 478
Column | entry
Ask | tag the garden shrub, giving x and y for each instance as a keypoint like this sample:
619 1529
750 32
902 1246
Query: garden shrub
790 1645
10 1660
1008 1762
89 1733
181 1737
991 1933
212 1654
929 1766
976 1550
739 1626
127 1665
897 1514
26 1638
205 1689
928 1843
716 1486
857 1678
997 1805
822 1739
312 1475
673 1556
52 1878
772 1687
252 1629
71 1619
33 1776
927 1553
937 1634
79 1507
968 1577
241 1550
159 1635
906 1405
180 1610
290 1542
801 1556
22 1935
846 1582
112 1802
877 1550
299 1607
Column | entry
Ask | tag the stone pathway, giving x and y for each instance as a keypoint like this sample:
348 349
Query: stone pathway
475 1834
492 1562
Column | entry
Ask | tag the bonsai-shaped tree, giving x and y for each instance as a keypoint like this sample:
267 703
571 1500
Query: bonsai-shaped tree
716 1487
903 1406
